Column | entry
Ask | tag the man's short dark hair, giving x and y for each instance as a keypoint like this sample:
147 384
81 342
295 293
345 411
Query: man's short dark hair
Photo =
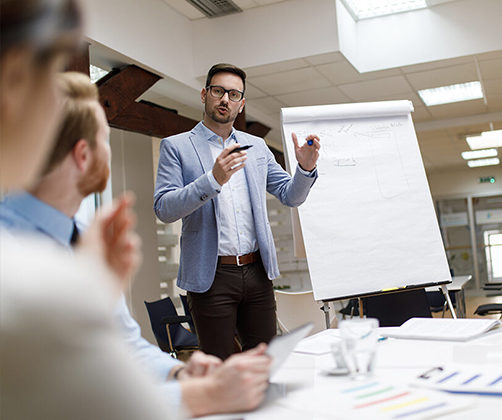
226 68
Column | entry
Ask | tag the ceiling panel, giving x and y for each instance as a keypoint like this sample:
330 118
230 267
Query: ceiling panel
489 55
343 72
322 96
268 104
409 96
253 92
290 81
459 133
376 88
332 57
433 65
245 4
458 109
420 114
491 69
276 67
443 76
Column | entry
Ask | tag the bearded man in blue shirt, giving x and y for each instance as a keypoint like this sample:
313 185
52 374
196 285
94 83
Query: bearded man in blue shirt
228 257
79 166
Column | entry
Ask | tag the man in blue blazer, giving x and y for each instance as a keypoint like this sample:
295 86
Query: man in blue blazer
228 255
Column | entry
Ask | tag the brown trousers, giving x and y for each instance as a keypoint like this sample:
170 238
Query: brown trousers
240 298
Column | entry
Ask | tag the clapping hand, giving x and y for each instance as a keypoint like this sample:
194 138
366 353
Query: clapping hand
112 239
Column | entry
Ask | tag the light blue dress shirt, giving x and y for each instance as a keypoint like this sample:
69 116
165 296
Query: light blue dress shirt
237 234
25 213
237 230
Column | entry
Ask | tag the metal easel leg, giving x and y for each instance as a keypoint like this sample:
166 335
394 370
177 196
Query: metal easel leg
325 308
444 289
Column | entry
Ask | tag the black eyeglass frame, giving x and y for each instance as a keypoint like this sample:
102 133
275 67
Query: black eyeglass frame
209 88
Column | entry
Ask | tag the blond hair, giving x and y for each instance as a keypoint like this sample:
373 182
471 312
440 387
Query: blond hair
80 97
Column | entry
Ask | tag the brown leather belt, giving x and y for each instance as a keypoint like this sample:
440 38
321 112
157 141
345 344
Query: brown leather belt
239 259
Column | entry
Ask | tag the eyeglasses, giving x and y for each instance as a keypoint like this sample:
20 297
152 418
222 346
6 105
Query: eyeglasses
219 92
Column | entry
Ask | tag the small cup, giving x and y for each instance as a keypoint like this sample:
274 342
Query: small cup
359 343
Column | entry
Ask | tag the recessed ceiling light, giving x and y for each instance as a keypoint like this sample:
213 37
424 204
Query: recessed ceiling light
483 162
453 93
477 154
485 140
364 9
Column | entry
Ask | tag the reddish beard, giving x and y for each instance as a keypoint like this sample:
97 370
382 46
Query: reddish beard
95 178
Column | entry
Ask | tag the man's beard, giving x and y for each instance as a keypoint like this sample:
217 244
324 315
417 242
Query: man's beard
96 178
215 116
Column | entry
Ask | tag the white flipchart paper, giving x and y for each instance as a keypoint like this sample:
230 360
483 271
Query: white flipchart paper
368 223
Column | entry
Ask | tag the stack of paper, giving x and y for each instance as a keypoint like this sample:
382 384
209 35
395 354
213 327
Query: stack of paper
447 329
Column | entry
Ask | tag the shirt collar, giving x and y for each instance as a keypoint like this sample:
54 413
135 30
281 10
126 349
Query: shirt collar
45 217
213 137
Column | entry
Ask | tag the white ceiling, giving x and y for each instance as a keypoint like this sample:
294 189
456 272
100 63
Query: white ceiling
330 79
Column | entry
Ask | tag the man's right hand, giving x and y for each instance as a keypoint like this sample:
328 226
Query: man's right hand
228 163
238 384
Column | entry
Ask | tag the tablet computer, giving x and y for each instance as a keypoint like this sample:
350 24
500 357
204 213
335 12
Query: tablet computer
281 346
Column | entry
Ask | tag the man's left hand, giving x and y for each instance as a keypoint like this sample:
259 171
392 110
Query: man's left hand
307 155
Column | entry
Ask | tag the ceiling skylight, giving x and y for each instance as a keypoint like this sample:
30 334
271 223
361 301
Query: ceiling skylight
485 140
96 73
483 162
477 154
364 9
452 93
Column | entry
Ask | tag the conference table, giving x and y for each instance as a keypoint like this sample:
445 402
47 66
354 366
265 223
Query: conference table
304 387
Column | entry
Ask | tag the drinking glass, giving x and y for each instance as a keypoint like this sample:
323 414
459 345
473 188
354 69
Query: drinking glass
359 343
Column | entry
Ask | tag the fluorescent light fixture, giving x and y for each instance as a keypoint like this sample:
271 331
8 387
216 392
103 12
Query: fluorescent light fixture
364 9
96 73
453 93
477 154
485 140
483 162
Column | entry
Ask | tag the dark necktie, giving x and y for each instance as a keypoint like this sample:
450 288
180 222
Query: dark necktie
74 235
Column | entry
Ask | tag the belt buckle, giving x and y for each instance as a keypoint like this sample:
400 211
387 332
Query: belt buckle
239 264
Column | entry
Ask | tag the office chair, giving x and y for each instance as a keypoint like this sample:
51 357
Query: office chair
171 336
393 309
489 309
437 301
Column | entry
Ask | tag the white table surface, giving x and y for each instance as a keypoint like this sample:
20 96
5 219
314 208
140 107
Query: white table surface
457 283
302 390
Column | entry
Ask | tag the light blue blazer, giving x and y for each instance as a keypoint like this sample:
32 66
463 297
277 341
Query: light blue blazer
183 191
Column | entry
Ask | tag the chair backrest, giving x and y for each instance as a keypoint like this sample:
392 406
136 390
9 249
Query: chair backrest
396 308
297 308
156 311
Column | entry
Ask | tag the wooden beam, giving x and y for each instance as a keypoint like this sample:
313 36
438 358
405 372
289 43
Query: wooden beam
257 129
151 120
120 89
240 121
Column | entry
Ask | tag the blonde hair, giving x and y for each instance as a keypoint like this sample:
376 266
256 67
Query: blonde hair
80 97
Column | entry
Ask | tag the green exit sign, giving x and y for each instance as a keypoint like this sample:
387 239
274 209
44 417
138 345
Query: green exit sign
487 179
